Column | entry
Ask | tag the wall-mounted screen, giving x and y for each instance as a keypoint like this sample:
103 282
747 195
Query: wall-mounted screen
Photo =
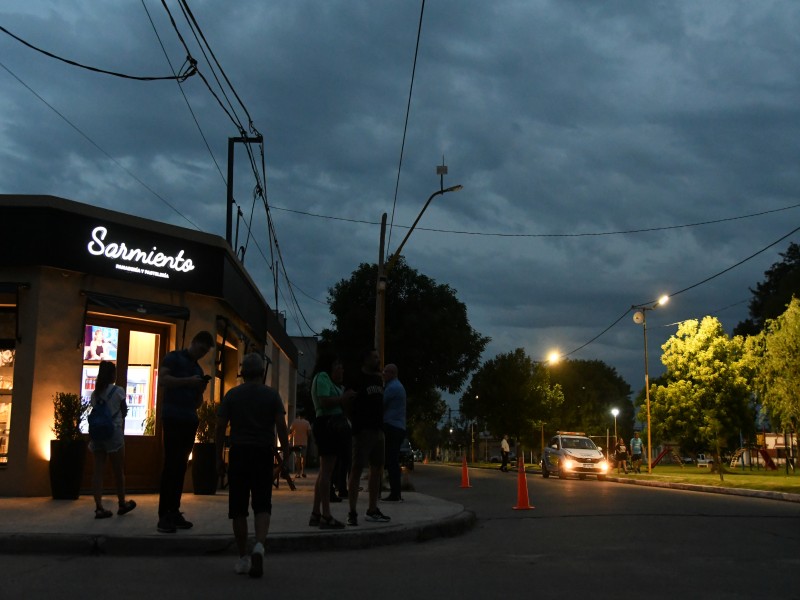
100 343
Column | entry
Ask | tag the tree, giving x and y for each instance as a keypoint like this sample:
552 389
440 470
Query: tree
591 389
706 397
776 357
771 296
510 393
428 334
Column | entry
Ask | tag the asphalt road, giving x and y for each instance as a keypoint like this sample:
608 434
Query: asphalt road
583 539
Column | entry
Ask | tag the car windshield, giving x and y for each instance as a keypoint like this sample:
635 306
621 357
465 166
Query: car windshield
576 443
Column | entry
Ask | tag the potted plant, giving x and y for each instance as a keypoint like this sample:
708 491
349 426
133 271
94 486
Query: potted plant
68 449
204 457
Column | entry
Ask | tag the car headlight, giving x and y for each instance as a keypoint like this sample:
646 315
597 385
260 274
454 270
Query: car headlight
603 466
569 464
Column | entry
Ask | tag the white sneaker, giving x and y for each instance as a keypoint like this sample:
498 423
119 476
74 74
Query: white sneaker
242 566
257 561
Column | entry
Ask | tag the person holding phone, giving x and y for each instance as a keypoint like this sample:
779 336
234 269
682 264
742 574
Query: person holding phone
184 383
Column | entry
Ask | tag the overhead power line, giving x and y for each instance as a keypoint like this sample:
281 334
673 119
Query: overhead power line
188 69
543 235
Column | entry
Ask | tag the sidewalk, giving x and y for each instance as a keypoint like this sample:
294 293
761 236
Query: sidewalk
47 526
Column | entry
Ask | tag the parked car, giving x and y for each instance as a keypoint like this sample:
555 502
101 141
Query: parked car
572 453
406 455
703 461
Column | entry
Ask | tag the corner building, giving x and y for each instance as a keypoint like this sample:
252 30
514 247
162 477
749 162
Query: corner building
80 284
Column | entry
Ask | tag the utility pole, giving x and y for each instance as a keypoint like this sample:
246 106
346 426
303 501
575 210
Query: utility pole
259 139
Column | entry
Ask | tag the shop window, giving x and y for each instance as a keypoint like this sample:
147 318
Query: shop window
136 354
7 354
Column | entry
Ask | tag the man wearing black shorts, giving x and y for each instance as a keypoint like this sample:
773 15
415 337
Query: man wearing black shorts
255 412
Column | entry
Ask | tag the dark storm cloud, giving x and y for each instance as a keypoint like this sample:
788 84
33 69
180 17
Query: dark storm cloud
558 117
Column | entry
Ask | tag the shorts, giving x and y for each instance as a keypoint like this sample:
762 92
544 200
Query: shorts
636 457
328 443
299 450
368 449
249 479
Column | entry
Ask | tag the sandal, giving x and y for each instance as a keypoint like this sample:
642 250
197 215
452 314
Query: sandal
330 523
314 520
102 513
126 507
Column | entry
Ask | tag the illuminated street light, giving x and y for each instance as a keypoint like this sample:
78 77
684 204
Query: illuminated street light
640 318
615 412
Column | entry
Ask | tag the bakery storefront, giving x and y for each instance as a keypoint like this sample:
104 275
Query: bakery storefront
80 284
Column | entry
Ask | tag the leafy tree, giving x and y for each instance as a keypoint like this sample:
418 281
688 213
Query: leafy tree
591 389
772 296
510 393
428 334
776 357
706 396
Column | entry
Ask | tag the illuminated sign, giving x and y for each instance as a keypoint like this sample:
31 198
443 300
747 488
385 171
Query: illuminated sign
155 263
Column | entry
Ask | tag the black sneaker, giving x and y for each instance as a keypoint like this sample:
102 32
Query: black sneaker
166 525
180 522
376 516
352 519
391 498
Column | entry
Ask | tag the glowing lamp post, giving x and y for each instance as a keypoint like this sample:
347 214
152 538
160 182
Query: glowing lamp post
640 318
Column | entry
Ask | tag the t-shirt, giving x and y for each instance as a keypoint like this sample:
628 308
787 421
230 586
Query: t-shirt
636 446
251 409
114 397
622 451
394 404
323 387
180 403
368 403
300 431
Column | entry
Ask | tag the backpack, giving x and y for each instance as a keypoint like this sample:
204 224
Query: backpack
101 424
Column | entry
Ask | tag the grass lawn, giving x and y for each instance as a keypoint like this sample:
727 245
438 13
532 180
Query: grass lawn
775 481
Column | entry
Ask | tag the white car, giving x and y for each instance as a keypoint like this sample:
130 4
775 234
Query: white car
572 453
703 461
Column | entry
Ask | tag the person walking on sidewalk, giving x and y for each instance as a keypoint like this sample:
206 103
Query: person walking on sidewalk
394 428
505 450
621 456
255 412
368 438
114 447
184 383
298 437
636 452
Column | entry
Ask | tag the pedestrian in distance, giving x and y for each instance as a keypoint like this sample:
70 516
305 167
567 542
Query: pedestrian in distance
112 448
298 438
621 456
505 450
255 412
331 430
636 452
368 439
184 383
394 428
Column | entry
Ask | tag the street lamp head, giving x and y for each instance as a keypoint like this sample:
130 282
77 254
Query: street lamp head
455 188
662 300
615 412
553 357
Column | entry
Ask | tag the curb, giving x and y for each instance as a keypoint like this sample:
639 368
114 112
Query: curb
710 489
159 545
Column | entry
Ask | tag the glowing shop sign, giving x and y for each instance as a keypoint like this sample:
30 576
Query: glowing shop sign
121 252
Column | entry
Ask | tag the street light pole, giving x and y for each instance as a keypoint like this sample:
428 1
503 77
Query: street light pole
640 317
385 268
615 412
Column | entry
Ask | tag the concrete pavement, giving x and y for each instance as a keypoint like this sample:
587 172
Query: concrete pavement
44 525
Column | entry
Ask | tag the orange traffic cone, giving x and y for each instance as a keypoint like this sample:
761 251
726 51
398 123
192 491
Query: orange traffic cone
522 488
425 460
464 473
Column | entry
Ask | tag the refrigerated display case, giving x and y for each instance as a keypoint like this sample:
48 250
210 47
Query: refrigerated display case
6 392
138 398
